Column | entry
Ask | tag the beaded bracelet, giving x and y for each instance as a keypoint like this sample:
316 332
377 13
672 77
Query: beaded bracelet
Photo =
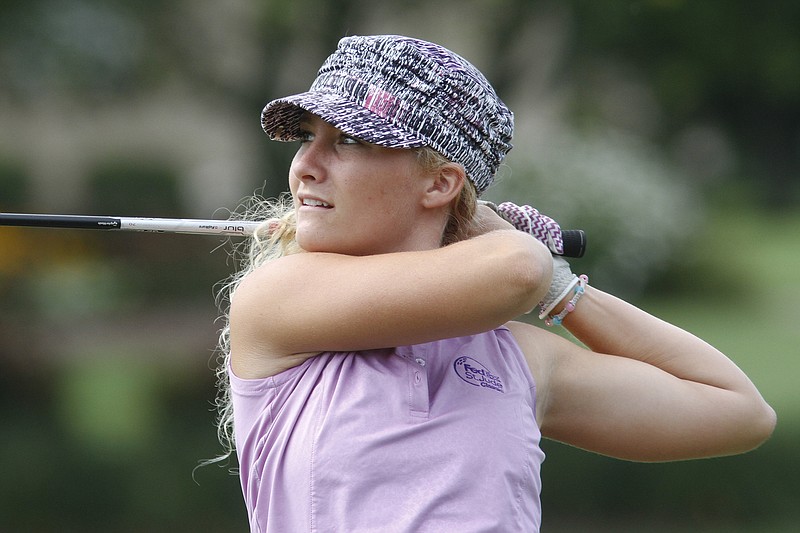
580 288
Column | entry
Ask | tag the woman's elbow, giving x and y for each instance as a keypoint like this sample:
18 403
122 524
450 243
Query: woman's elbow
753 427
762 423
532 272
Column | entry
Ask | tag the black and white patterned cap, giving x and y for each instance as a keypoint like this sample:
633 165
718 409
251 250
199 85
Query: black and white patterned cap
401 92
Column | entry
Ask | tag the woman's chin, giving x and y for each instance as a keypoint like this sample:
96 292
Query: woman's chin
313 242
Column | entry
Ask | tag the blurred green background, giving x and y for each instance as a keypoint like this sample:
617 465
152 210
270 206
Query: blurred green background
669 130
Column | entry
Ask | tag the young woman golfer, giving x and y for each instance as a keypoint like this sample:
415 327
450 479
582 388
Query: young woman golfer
375 378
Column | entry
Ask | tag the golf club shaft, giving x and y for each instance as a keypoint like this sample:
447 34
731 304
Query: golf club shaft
574 240
157 225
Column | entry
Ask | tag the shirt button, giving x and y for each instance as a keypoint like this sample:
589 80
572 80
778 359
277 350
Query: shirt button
420 361
417 378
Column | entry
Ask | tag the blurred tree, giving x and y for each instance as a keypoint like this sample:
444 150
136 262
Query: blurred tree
735 64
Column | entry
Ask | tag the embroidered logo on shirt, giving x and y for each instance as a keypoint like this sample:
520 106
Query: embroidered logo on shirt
474 373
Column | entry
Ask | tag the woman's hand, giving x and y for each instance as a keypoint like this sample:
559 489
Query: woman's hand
485 220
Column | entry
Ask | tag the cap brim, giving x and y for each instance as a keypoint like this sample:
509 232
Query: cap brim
281 120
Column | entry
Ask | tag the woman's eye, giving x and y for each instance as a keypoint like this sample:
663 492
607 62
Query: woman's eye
346 139
305 136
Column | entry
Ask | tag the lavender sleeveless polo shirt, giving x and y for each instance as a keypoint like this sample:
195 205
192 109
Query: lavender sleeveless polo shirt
432 437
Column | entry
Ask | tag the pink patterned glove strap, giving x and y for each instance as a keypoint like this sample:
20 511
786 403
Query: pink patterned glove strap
528 219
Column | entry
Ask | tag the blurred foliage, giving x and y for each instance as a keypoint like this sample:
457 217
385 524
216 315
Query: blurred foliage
127 188
668 129
734 64
638 207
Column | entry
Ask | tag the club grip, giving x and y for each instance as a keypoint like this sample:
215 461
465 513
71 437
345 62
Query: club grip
574 242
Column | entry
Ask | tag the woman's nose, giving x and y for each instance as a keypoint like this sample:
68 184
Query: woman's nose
309 162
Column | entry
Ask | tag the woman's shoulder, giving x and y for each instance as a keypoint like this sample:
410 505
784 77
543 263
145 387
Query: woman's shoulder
527 335
254 315
537 345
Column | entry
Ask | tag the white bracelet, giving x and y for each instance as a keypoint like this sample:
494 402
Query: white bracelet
580 288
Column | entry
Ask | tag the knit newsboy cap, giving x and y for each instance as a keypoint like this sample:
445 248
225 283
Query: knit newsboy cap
401 92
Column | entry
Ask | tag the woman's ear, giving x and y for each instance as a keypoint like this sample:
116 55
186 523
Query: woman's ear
444 185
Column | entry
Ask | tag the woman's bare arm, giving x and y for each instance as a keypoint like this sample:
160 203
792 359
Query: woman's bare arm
646 391
306 303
